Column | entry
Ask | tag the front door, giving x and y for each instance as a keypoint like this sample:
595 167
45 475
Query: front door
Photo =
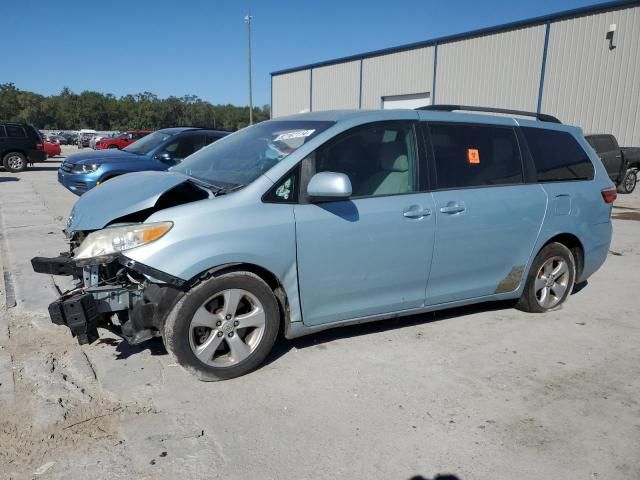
487 219
368 255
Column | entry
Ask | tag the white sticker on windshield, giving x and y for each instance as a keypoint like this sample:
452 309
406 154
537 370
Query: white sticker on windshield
294 134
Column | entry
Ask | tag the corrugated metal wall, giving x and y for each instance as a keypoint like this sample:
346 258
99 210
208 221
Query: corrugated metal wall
502 69
290 93
336 86
585 84
589 85
398 73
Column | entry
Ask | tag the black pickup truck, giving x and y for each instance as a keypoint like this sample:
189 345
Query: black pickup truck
622 163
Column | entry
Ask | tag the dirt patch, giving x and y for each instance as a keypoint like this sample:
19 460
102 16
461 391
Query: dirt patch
59 420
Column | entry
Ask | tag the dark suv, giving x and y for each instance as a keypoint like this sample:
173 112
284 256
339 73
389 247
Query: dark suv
20 145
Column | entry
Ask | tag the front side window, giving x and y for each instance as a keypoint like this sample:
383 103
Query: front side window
182 147
240 158
148 143
557 155
475 155
379 159
16 131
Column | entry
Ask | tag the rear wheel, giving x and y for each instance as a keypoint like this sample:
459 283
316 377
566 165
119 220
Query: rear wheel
14 162
628 183
224 327
550 280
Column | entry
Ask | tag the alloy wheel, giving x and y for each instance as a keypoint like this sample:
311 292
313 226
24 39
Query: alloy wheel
15 162
552 282
227 328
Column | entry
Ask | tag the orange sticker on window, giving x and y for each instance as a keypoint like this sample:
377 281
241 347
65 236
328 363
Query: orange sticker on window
473 156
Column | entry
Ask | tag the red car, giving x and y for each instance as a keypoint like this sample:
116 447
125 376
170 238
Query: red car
122 140
52 149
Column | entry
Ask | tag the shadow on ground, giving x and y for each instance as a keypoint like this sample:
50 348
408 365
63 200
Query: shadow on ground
9 179
283 346
45 168
437 477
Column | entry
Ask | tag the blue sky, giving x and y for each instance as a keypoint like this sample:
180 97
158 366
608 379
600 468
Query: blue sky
200 46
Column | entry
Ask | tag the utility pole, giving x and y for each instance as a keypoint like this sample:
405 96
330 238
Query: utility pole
247 19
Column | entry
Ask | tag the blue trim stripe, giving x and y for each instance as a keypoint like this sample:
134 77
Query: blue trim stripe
599 7
435 71
544 64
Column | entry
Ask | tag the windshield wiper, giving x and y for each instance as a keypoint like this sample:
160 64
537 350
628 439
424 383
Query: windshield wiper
225 190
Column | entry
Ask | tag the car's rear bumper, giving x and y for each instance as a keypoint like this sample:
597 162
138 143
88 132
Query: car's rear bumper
37 156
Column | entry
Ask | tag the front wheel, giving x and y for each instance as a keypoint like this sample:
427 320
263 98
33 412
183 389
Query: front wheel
628 183
224 327
550 280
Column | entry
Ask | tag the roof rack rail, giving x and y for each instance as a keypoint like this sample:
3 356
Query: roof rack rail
543 117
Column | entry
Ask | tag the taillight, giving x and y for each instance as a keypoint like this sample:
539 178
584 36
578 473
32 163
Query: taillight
609 195
39 146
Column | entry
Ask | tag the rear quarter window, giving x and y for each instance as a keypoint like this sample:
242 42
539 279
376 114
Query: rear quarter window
557 156
15 131
475 155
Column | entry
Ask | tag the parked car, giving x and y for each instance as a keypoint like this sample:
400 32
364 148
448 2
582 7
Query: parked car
59 139
622 163
123 140
333 218
84 137
20 145
52 149
159 151
71 138
93 141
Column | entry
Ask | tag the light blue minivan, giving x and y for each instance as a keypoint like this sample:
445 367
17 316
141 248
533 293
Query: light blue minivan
326 219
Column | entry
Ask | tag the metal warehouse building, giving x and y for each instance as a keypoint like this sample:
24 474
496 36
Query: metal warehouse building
581 65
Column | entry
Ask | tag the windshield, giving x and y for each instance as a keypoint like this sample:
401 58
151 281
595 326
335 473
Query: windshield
148 143
242 157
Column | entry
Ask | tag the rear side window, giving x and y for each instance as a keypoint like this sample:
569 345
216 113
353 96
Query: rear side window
16 131
475 155
557 156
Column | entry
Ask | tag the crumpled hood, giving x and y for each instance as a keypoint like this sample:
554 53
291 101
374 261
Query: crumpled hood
121 196
100 156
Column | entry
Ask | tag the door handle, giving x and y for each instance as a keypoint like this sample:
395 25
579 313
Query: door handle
416 211
452 208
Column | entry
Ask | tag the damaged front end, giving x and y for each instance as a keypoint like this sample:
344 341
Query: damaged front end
119 295
111 290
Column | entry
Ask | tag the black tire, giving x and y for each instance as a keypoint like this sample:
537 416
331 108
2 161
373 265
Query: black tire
177 330
628 183
529 301
14 162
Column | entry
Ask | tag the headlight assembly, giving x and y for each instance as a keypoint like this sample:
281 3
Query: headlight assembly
84 168
111 241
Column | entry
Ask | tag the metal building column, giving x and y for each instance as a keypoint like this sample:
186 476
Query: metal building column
311 89
435 70
544 64
360 94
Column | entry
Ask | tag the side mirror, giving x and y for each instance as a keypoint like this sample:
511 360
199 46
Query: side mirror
164 157
328 186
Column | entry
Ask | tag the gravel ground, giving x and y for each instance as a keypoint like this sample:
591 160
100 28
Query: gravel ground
474 393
